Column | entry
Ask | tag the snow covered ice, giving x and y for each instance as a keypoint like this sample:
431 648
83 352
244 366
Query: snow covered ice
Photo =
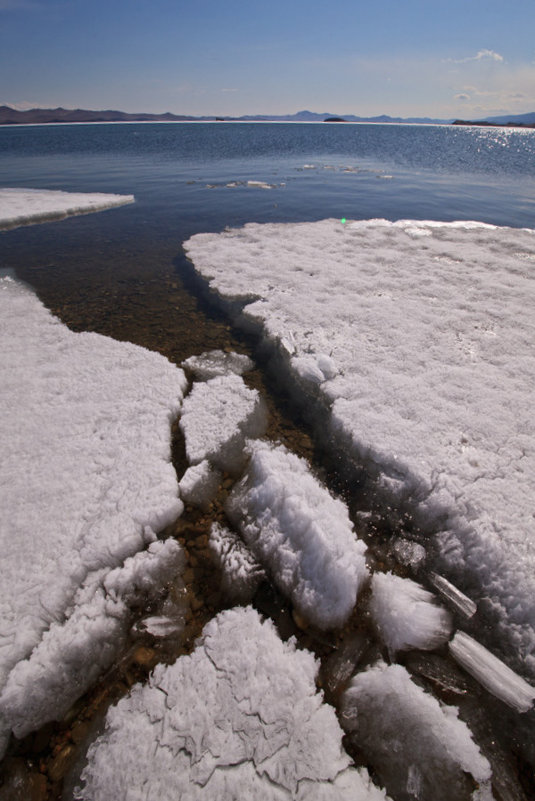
300 533
419 747
217 417
416 338
87 482
199 484
30 206
238 718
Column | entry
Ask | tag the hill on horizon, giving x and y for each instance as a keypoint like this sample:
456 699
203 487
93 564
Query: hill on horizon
11 116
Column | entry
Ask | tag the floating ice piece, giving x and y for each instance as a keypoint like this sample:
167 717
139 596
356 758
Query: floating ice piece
241 572
71 655
86 479
29 206
409 553
260 185
418 747
432 337
238 718
460 602
217 417
406 614
162 626
300 533
492 673
217 362
199 484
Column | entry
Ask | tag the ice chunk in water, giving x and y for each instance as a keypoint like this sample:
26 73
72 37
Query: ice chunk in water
414 743
199 484
300 533
460 602
492 673
218 415
409 553
241 572
217 362
406 614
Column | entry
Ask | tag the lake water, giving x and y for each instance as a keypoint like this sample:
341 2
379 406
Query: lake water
192 177
317 171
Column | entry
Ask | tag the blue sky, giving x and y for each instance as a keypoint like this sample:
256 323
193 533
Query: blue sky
464 58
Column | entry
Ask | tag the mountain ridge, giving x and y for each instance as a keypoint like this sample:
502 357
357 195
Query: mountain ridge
11 116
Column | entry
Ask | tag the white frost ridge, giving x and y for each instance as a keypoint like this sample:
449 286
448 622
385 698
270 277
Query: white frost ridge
29 206
418 336
238 718
303 535
86 482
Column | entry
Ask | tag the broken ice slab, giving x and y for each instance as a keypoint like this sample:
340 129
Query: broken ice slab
340 666
460 602
492 673
216 362
199 485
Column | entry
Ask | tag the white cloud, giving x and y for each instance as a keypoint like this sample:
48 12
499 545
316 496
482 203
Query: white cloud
481 55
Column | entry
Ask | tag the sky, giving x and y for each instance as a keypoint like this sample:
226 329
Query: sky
462 58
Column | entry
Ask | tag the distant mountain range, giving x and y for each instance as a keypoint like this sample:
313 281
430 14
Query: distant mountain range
10 116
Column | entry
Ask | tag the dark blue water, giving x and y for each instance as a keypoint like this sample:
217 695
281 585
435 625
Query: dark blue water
439 172
179 174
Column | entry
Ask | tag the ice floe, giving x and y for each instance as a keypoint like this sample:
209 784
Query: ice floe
238 718
418 746
217 362
87 481
217 417
300 533
429 334
406 614
29 206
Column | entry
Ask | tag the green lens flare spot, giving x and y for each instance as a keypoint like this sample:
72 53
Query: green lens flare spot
343 220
